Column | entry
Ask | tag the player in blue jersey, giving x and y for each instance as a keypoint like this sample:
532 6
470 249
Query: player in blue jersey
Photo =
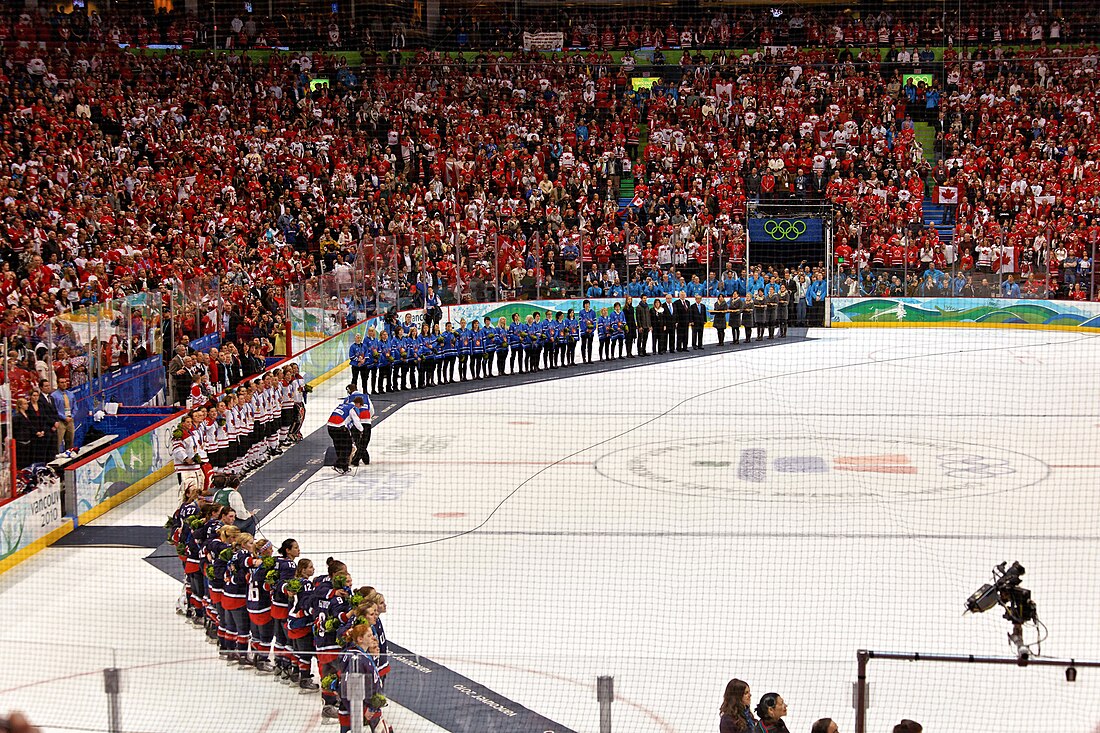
329 609
261 625
235 598
299 624
358 658
283 571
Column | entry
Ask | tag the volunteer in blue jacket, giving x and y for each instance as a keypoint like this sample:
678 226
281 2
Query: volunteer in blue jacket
464 345
358 358
534 341
561 339
574 328
477 348
618 332
603 333
587 320
489 338
370 363
449 351
501 344
384 361
815 300
515 343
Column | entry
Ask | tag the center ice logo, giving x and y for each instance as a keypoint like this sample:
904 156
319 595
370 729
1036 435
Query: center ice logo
834 468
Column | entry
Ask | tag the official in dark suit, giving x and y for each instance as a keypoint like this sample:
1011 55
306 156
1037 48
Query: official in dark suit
660 327
698 322
643 322
682 316
631 320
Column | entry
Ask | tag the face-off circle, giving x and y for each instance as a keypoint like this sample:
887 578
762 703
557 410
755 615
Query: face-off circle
807 468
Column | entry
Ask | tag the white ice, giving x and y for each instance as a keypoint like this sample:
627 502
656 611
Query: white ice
670 525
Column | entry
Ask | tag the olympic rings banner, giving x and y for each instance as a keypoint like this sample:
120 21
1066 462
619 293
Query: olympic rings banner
779 230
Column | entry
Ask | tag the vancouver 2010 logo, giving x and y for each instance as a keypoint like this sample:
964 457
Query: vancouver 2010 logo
788 229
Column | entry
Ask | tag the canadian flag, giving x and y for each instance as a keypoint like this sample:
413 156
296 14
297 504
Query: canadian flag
1005 260
945 195
638 201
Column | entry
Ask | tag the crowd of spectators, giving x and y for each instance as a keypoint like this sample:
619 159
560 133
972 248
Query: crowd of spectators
382 25
500 177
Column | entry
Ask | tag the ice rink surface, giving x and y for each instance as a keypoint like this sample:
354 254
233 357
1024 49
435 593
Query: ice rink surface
758 514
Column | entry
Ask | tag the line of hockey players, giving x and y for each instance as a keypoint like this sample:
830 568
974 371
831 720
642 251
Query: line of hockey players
240 430
270 611
405 356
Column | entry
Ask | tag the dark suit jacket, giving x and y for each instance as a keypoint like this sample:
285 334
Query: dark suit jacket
698 314
682 313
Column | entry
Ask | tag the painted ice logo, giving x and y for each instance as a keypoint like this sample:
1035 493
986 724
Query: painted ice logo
788 229
373 486
839 468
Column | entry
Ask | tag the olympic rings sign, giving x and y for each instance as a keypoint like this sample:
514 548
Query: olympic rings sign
785 229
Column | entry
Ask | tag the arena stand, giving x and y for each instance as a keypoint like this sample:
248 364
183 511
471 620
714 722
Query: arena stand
502 174
267 201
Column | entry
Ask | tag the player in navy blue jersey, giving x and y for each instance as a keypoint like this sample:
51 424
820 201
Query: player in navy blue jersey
219 549
299 623
261 624
235 598
329 609
280 607
358 658
180 535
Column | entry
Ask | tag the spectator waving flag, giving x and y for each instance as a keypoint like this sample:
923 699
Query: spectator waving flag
946 195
